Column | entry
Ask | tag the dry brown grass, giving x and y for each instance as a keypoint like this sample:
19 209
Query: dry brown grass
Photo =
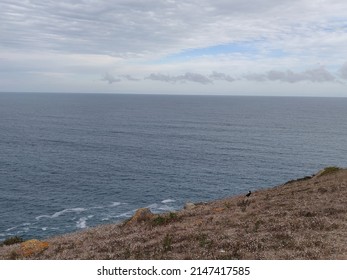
302 219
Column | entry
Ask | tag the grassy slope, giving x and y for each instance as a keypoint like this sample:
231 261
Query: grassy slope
303 219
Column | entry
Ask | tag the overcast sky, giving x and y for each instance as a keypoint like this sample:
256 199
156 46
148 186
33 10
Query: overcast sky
239 47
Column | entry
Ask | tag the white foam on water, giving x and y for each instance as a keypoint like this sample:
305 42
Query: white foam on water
152 206
59 213
44 228
97 207
42 216
126 214
115 204
12 228
78 210
168 201
166 208
82 222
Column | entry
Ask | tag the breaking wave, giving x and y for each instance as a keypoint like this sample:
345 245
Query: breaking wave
75 218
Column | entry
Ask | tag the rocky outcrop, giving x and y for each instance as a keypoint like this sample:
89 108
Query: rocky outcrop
189 205
32 247
141 215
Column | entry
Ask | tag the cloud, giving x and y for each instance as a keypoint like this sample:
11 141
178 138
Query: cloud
194 77
221 76
187 77
315 75
137 28
130 78
81 39
161 77
319 75
343 71
110 78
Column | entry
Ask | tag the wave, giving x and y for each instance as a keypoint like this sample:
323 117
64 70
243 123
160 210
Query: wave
82 222
114 204
83 217
168 201
166 208
59 213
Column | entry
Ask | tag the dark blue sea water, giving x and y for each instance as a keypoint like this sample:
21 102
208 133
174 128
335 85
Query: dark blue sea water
70 161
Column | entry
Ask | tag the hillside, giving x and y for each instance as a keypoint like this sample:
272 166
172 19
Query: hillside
301 219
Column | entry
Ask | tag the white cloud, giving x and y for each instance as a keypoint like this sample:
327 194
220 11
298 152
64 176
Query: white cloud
136 28
271 40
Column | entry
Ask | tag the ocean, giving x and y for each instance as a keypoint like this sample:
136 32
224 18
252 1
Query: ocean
72 161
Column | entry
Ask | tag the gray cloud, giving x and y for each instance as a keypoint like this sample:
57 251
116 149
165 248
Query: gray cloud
343 71
187 77
319 74
316 75
110 78
161 77
130 78
194 77
221 76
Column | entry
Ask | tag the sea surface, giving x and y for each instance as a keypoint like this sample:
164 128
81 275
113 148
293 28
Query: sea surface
72 161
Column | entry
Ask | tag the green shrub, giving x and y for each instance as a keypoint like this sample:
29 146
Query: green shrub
329 170
12 240
159 220
167 242
165 219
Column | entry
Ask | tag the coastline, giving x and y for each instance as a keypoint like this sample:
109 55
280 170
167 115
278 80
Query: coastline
304 218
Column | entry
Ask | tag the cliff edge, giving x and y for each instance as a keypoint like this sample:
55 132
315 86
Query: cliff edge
301 219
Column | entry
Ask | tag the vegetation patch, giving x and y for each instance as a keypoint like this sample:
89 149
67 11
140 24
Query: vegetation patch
167 242
306 220
329 170
12 240
165 219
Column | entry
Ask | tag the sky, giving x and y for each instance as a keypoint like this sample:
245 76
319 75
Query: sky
232 47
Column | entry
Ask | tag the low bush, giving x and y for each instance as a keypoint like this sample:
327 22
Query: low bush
165 219
329 170
12 240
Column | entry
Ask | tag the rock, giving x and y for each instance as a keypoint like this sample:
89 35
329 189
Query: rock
141 215
189 205
31 247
